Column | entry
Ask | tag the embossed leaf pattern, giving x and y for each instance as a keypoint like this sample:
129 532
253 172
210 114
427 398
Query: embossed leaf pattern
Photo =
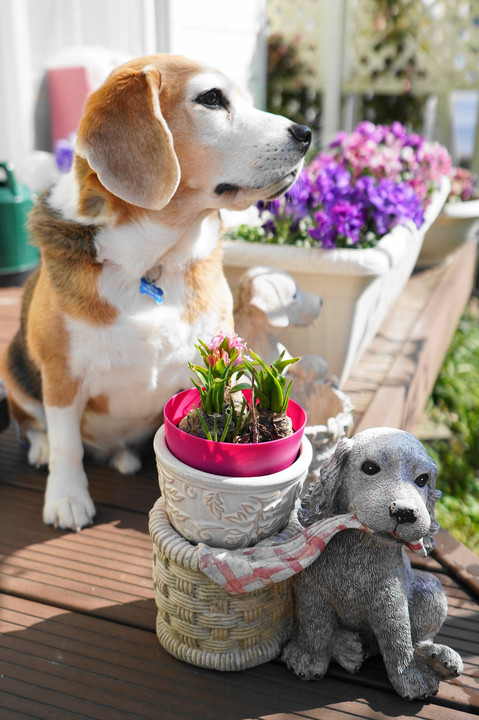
175 495
179 517
215 504
255 507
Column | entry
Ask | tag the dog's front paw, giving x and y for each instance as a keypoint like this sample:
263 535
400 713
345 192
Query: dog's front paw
68 505
69 513
307 665
443 659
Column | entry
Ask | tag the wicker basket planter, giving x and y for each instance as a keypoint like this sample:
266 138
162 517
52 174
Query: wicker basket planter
198 621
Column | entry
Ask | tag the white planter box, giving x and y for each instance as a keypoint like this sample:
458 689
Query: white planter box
358 287
455 223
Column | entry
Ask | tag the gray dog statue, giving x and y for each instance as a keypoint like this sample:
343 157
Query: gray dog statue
361 596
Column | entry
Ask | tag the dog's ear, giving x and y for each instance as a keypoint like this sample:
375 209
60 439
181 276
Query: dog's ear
126 141
322 498
432 498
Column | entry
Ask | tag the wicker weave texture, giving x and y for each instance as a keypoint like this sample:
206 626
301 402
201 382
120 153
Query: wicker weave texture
199 622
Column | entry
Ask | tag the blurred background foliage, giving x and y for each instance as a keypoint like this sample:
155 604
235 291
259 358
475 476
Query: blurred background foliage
454 405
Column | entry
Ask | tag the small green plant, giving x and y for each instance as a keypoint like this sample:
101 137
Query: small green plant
224 414
270 385
223 361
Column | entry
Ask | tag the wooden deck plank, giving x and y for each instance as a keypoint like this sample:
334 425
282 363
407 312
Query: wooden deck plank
65 569
391 382
68 662
459 559
76 569
135 492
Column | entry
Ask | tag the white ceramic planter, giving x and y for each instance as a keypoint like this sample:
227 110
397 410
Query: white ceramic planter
222 511
455 223
358 287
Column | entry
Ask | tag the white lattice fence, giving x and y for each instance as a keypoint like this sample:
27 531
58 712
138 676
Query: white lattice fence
431 49
439 42
299 22
438 48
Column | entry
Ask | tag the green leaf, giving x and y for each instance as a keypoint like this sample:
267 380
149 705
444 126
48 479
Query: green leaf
264 400
286 396
240 386
204 425
277 396
228 417
284 363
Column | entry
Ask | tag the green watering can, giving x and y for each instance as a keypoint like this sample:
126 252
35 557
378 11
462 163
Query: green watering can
16 253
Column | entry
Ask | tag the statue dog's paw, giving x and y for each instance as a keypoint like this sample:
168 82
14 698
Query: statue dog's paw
443 659
348 650
417 681
306 665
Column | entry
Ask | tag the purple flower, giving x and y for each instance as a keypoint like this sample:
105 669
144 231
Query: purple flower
372 179
64 155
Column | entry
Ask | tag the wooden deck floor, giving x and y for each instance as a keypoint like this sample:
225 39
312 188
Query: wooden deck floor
77 614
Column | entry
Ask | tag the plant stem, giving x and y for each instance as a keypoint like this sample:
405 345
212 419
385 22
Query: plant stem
253 413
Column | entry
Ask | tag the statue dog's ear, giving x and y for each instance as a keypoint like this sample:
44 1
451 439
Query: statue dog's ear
432 498
322 498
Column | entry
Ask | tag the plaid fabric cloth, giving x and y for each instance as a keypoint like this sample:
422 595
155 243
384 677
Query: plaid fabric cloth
241 571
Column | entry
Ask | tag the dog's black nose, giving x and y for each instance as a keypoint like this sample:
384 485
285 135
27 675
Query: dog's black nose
402 514
302 134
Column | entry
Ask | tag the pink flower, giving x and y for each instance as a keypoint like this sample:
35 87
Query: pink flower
226 347
216 356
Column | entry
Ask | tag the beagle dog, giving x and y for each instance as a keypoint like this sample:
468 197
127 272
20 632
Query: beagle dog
131 272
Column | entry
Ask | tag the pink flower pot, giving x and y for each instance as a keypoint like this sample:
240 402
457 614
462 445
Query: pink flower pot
222 458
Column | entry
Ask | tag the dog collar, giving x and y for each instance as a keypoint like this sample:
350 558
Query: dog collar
149 284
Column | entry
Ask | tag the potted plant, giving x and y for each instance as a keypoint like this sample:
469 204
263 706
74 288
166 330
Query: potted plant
231 454
455 222
351 230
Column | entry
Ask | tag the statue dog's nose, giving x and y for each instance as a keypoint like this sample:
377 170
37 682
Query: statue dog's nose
402 514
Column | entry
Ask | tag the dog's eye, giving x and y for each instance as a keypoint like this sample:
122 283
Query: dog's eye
422 480
212 99
370 468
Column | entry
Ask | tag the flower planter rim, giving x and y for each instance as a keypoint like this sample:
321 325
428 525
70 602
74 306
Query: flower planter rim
345 261
233 482
464 209
267 443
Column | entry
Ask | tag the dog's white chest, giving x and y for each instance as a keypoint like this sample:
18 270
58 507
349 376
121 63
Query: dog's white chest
138 361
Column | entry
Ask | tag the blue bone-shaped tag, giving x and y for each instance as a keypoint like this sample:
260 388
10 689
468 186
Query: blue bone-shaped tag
147 288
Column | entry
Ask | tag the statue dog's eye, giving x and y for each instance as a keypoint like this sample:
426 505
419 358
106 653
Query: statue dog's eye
422 480
370 468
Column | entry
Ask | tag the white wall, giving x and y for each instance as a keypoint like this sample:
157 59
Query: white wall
229 34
